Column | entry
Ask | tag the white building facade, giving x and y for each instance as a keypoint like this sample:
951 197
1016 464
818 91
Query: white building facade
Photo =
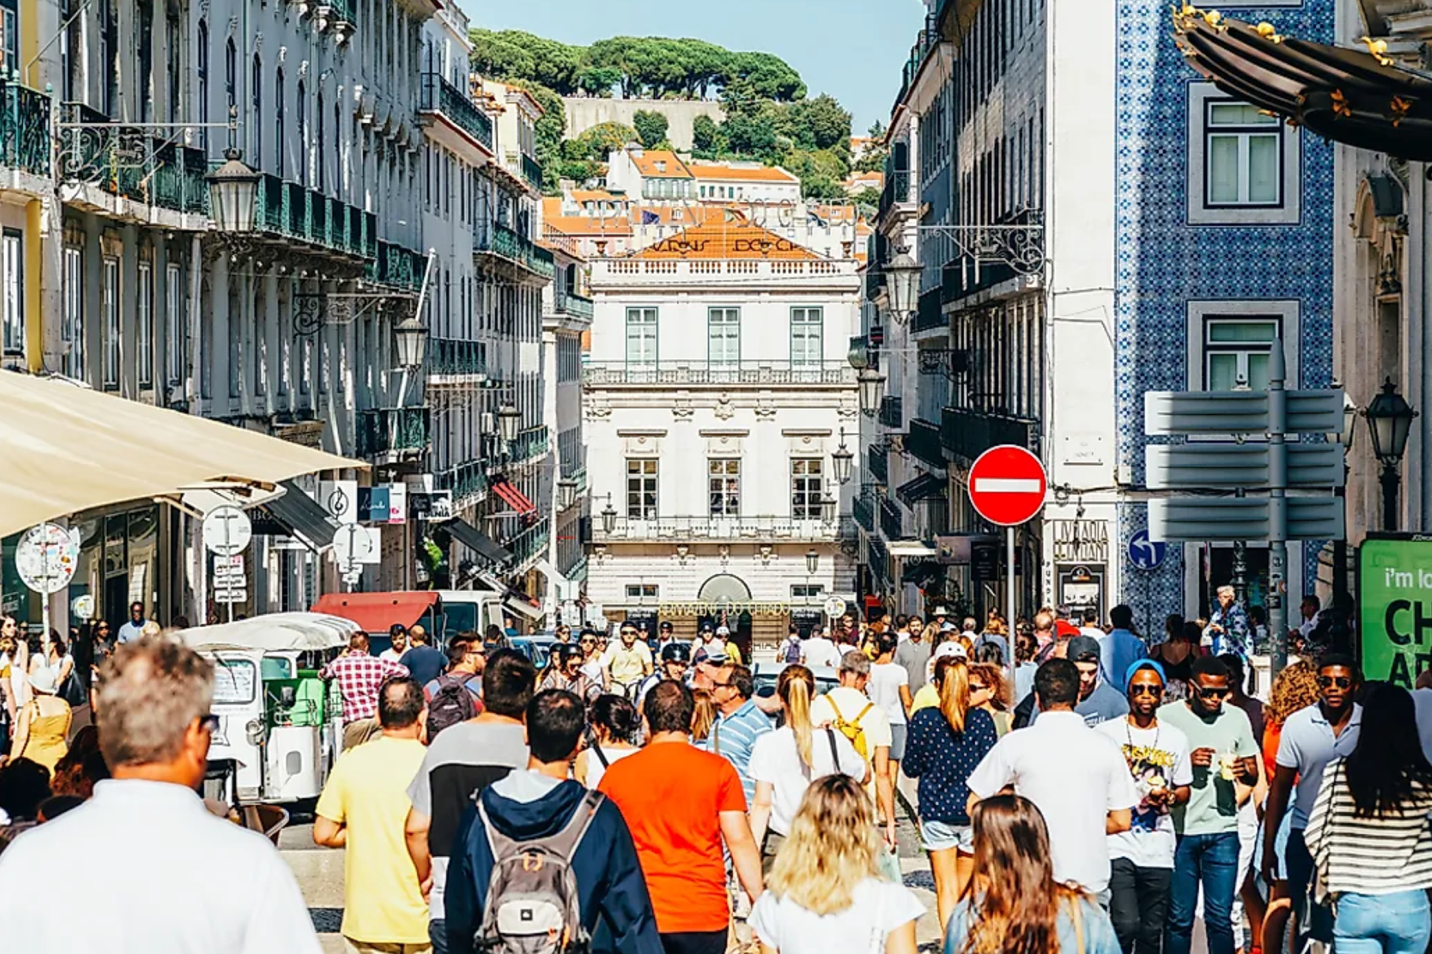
717 400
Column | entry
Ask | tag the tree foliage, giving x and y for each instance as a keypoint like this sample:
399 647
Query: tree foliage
650 127
600 141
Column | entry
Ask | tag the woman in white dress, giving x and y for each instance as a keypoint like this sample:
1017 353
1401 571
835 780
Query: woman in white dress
615 725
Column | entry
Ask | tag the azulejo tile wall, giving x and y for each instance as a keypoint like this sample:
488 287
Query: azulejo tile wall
1164 262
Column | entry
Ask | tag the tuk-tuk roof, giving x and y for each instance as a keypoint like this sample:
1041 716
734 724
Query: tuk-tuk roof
274 632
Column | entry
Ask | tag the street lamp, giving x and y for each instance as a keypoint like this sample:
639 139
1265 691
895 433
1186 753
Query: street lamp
872 387
828 505
412 337
609 517
902 281
841 460
232 190
566 493
812 561
1389 419
508 418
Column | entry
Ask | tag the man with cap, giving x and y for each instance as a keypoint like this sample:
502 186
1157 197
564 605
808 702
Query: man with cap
1098 701
1142 858
708 661
665 636
675 660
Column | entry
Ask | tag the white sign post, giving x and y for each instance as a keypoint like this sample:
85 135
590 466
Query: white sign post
227 532
45 559
353 546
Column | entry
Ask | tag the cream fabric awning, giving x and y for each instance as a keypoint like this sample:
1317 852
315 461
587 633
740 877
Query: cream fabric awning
65 448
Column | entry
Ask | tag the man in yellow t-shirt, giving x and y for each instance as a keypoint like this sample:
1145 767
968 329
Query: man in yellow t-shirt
362 809
628 662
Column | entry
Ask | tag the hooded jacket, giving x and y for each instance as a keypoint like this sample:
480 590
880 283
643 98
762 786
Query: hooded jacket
616 909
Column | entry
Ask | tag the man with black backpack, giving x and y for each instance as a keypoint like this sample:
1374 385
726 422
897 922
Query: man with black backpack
456 695
543 866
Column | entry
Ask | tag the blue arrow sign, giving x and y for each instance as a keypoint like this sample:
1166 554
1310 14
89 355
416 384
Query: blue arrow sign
1146 554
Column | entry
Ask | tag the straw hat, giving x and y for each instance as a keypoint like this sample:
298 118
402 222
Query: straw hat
43 680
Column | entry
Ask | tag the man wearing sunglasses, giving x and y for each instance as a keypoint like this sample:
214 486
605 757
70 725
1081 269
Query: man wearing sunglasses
1142 857
1224 757
1311 738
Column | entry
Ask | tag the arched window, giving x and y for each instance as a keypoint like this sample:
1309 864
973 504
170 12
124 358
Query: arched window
201 64
278 142
256 116
320 154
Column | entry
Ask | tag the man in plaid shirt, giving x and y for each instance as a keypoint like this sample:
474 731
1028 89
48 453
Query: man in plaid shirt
359 677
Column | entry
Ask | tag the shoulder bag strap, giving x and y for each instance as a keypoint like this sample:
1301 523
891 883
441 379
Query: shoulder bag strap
601 756
834 752
565 842
864 712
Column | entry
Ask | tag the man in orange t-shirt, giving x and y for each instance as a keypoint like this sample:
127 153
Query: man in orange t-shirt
680 803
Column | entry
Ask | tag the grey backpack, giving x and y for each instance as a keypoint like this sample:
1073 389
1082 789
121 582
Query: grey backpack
532 904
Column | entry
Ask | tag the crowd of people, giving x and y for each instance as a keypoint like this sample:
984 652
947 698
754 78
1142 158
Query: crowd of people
1094 793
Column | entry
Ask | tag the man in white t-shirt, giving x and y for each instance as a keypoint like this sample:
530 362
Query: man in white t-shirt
848 705
1077 778
819 652
1141 859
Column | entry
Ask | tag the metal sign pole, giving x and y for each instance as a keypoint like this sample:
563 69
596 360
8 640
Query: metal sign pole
229 584
1009 601
1277 509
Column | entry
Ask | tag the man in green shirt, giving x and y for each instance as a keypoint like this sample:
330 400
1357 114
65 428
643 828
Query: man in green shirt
1224 757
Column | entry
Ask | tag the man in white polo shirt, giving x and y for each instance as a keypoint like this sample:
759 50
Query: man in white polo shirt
1077 778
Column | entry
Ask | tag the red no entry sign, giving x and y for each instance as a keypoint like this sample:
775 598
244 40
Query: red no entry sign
1007 485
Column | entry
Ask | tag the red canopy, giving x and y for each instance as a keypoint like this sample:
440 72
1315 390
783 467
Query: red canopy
376 612
515 498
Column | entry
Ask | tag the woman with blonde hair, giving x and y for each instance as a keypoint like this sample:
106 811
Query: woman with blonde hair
946 743
1013 905
704 715
824 894
785 762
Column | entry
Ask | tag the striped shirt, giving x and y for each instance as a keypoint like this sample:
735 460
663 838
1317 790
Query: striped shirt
1369 855
734 736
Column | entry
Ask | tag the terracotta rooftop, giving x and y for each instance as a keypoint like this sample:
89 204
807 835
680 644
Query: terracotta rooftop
660 164
731 240
742 173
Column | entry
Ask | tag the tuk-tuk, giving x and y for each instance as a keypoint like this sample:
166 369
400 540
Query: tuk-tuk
280 726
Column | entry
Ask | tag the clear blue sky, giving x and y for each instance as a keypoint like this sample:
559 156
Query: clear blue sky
852 49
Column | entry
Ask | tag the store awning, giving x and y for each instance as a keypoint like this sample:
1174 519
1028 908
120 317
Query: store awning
66 448
477 541
303 517
1363 99
377 612
515 498
520 606
910 548
921 488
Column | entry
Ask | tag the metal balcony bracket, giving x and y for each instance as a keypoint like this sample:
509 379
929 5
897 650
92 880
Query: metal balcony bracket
953 363
313 310
1020 247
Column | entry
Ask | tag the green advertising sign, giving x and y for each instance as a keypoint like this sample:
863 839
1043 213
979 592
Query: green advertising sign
1395 605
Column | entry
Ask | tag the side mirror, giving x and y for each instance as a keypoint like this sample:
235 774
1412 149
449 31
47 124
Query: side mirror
254 732
287 696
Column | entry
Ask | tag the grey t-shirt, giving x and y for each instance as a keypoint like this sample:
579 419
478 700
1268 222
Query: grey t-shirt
1102 705
462 760
913 656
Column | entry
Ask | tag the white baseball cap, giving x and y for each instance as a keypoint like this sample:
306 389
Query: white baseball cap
951 649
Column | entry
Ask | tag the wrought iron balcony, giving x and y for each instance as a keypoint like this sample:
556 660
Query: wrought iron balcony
877 461
892 523
530 444
863 510
968 433
578 306
503 241
530 543
751 529
398 267
293 211
467 481
532 171
896 191
393 432
928 316
924 442
727 374
892 411
879 560
456 357
24 128
441 97
126 161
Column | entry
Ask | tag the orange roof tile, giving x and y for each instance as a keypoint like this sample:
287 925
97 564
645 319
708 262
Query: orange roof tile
595 195
689 214
742 173
736 239
660 164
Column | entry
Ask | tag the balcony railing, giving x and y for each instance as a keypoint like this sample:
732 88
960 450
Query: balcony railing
892 523
772 529
968 434
530 543
466 480
928 316
24 128
896 191
892 411
293 211
440 96
398 267
454 357
126 162
532 171
752 373
531 443
578 306
623 271
386 432
863 510
879 560
878 463
501 240
924 442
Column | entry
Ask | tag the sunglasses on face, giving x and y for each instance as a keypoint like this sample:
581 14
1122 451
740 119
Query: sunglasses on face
1214 693
589 642
978 687
1146 690
1327 682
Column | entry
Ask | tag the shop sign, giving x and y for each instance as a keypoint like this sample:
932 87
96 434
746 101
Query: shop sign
1395 597
712 609
1080 541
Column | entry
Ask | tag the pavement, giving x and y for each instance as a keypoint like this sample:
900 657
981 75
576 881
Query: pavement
319 872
